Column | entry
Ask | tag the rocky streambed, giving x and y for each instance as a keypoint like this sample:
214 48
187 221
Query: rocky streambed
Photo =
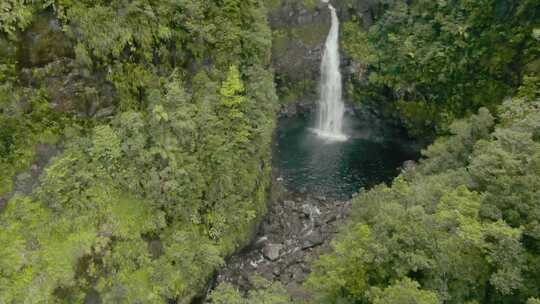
296 230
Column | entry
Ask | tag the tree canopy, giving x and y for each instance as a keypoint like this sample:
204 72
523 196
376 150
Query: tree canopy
161 122
460 227
433 61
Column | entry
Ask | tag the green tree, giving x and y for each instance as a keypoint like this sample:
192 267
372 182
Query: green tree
234 101
263 292
433 61
405 291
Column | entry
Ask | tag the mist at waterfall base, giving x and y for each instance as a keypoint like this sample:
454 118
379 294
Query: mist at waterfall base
308 163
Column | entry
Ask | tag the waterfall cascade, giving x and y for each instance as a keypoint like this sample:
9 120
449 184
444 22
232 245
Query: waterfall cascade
331 108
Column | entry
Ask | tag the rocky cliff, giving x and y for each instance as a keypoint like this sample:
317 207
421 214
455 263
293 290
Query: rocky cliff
299 31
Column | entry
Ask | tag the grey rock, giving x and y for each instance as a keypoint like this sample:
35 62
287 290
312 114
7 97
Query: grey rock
307 210
312 240
408 165
321 198
266 272
331 218
260 242
310 211
291 205
105 112
272 251
299 275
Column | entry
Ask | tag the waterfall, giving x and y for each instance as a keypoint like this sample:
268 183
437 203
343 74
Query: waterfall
331 108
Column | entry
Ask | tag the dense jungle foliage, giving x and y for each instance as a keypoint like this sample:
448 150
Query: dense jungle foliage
433 61
159 116
461 227
135 142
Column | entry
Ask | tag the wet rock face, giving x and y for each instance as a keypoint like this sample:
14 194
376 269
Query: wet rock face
297 229
299 32
71 89
296 108
43 42
299 29
26 181
46 61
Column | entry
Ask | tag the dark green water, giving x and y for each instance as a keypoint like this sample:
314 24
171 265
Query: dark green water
307 163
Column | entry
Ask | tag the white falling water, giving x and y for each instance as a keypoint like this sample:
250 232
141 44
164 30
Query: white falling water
331 108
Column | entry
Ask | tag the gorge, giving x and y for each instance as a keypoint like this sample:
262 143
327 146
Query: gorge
322 158
258 152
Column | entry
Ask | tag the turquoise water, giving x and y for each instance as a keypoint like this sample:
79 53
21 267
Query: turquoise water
307 163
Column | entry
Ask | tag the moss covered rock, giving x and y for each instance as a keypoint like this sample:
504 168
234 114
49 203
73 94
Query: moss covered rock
43 42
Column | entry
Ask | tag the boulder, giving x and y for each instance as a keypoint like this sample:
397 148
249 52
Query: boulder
330 218
260 242
312 240
272 251
408 165
290 205
104 112
310 211
307 209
